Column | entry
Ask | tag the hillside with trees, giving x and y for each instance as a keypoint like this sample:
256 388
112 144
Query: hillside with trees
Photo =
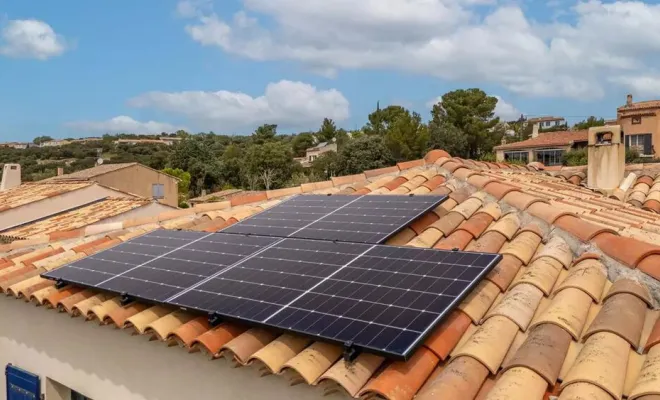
463 123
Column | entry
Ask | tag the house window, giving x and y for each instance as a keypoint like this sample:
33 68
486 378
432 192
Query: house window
158 191
636 120
516 156
549 157
642 143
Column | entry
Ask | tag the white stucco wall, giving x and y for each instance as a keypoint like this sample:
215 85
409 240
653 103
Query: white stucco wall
108 364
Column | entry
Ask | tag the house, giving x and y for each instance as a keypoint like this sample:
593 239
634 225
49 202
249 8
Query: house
313 153
641 124
568 313
15 145
168 141
547 122
64 142
41 208
132 178
546 147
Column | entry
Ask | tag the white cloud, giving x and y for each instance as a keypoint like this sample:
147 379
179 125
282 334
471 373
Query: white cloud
124 124
449 39
643 85
506 111
30 38
286 103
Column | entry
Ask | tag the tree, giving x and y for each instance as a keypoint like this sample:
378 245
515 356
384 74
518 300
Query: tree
267 176
184 181
328 131
368 152
272 155
41 139
302 142
326 165
445 136
381 119
407 136
264 133
472 112
589 122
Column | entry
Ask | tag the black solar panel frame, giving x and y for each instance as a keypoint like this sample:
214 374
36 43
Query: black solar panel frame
383 239
358 348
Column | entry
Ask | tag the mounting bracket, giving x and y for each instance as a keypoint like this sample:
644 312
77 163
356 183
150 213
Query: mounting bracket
59 284
125 299
350 352
214 319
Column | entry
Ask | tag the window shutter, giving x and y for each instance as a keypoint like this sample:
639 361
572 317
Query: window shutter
647 144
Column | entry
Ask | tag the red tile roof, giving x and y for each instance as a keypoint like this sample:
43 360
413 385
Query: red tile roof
548 139
546 321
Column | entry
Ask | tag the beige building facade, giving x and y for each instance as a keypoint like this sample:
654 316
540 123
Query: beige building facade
133 178
641 125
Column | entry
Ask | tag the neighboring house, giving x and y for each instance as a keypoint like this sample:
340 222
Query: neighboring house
550 320
546 148
15 145
40 208
313 153
165 141
63 142
641 125
170 140
132 178
547 122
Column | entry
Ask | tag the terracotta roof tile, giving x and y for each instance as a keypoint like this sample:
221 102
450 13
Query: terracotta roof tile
601 362
461 379
490 343
622 314
548 139
276 353
401 380
648 382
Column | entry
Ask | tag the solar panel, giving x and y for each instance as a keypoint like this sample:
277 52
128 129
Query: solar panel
358 219
382 299
160 264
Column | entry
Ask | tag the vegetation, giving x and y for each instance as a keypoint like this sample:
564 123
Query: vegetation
589 122
575 157
463 123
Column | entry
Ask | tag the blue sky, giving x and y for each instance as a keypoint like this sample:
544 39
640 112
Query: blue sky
80 68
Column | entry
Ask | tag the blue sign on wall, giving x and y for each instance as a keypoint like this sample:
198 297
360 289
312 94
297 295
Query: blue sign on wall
22 385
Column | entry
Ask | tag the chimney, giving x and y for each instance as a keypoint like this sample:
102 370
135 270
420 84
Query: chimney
629 100
11 176
535 130
60 171
606 158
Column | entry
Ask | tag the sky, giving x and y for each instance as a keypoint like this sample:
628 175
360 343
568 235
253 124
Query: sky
83 68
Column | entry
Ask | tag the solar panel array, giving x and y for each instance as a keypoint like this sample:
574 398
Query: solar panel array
356 219
366 296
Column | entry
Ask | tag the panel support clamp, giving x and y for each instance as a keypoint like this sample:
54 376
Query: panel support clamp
350 352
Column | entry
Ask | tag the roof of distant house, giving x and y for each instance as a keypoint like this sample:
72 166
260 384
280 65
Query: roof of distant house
640 105
96 171
548 139
102 169
551 319
544 119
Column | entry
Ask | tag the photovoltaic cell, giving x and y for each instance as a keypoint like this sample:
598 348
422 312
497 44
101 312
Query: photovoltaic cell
382 299
357 219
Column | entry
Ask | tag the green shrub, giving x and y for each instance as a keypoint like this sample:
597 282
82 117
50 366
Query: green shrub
575 157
